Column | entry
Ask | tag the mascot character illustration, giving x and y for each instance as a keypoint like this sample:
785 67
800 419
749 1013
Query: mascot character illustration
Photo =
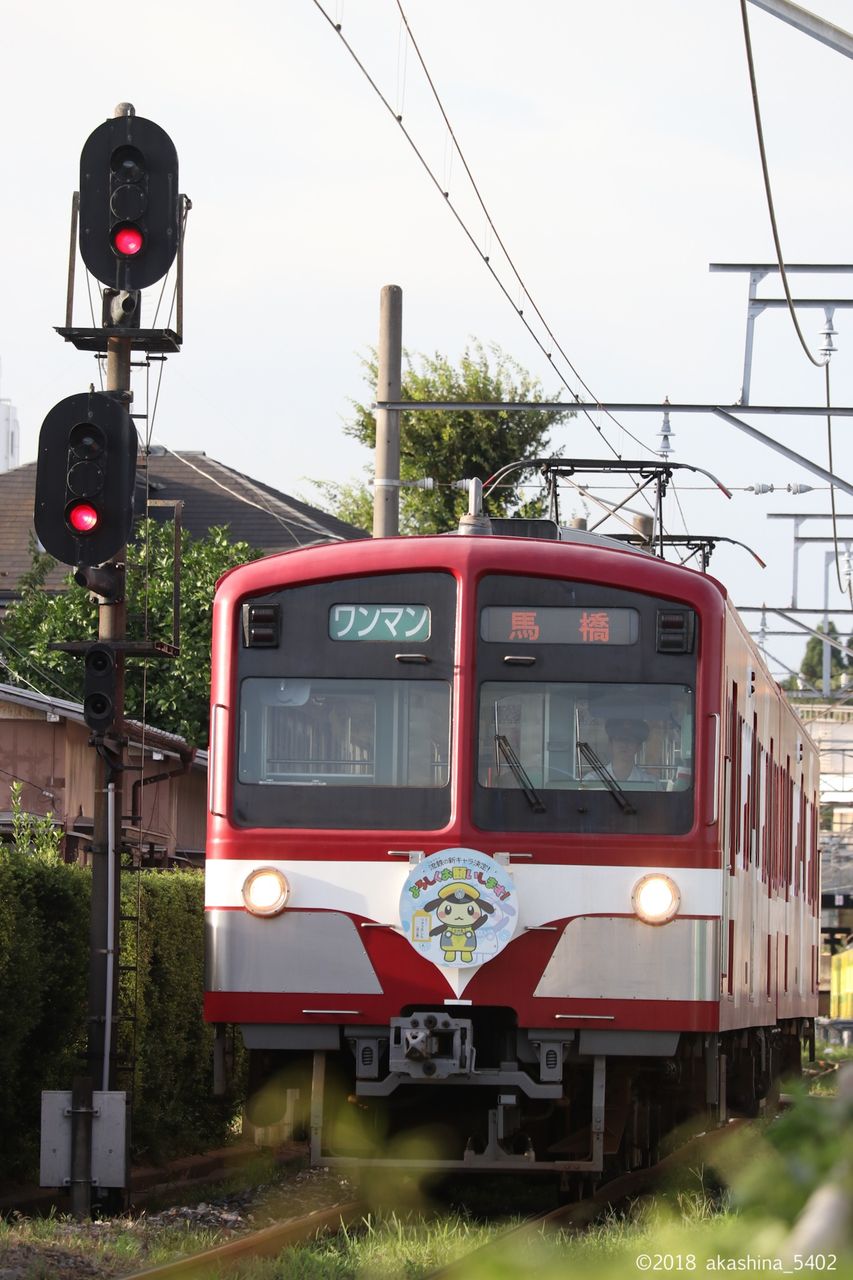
460 911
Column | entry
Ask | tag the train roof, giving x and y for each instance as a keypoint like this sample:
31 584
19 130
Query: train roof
588 555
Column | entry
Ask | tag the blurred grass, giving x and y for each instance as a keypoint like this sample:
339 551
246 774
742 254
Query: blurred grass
768 1172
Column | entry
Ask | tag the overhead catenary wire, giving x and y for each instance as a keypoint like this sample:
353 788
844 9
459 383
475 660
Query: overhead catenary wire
777 243
525 292
765 171
484 257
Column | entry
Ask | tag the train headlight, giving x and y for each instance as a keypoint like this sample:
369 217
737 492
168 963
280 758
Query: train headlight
265 891
656 899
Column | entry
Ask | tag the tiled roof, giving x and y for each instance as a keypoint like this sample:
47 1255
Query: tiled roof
212 493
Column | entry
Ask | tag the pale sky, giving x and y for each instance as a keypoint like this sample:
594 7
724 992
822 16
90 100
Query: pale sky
613 142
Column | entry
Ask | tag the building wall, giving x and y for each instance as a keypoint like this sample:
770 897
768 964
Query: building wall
55 762
10 436
32 750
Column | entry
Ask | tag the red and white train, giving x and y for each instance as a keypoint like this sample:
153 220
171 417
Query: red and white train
510 840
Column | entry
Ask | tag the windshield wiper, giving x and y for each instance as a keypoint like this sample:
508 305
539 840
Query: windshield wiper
594 762
531 795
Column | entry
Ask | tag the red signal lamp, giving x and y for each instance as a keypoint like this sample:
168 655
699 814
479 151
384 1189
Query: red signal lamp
82 517
127 241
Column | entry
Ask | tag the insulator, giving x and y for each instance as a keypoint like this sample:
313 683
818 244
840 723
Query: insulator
828 332
665 435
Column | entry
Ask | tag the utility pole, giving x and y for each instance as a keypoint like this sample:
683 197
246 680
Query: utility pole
386 482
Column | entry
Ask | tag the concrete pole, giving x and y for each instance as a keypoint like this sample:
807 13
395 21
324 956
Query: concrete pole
386 482
106 817
826 667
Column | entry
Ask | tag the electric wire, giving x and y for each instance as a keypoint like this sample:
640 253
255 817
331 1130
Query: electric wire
510 262
27 783
99 356
493 231
818 363
21 679
765 170
42 672
467 232
291 524
677 498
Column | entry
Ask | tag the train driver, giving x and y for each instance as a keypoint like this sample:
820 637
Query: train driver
626 736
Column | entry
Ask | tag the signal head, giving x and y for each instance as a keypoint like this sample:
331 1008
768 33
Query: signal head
85 479
129 203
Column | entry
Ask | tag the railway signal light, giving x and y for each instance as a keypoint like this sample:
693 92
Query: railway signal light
99 687
85 479
129 203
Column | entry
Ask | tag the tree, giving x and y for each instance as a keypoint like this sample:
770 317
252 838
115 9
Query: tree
169 693
811 667
468 444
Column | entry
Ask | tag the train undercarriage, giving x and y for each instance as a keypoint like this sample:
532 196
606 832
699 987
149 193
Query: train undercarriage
441 1091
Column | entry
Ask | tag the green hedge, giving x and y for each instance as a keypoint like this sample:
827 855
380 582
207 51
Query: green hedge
44 964
44 954
174 1108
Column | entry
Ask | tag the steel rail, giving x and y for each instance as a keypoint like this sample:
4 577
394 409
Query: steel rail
266 1243
580 1213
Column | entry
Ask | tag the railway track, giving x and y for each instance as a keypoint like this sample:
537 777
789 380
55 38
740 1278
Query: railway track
266 1243
270 1241
576 1216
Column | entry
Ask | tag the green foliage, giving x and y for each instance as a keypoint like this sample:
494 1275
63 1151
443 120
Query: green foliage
175 1110
171 694
44 948
44 965
469 444
33 833
797 1154
811 667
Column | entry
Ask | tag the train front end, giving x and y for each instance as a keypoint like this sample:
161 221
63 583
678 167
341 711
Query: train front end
464 870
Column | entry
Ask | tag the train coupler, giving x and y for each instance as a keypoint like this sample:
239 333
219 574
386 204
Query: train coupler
431 1046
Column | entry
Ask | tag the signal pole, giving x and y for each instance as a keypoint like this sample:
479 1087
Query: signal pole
107 812
130 231
107 807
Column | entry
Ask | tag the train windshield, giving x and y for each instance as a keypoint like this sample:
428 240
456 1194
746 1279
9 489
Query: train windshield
585 756
316 737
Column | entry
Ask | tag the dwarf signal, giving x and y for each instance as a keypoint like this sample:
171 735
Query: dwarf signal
99 689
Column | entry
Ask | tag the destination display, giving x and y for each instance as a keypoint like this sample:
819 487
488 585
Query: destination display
587 626
389 622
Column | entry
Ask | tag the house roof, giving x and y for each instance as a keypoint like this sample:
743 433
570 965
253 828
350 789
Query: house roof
212 493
